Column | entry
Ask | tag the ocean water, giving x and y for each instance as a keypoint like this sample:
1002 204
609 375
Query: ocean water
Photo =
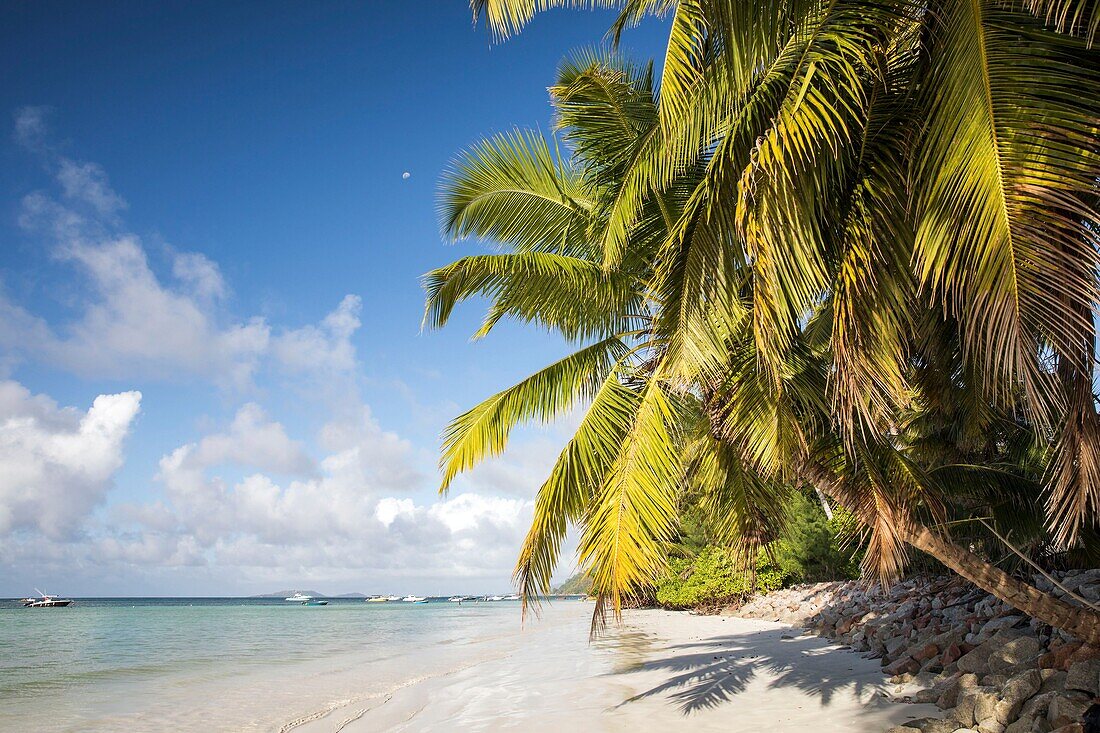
227 663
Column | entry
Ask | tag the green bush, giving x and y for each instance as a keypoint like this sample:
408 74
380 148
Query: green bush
702 574
810 550
715 575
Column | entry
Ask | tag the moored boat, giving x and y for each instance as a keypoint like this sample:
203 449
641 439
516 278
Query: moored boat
315 602
46 601
298 597
414 599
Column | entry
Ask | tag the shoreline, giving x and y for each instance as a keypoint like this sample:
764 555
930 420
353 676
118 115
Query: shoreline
660 668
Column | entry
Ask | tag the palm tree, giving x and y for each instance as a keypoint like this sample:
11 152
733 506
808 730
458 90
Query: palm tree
815 177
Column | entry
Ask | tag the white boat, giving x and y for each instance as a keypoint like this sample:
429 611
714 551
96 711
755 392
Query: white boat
414 599
513 597
393 598
46 601
495 598
298 597
457 599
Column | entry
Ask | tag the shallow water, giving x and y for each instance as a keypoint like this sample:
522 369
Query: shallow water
226 664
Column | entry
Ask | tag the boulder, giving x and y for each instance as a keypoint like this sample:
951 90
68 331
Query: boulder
1059 658
1015 693
991 726
934 725
1014 653
1065 710
903 666
1084 677
963 713
951 654
1054 680
977 660
1020 725
985 703
1037 706
926 652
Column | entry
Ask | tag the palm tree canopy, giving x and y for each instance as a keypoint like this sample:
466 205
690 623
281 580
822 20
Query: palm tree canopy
843 239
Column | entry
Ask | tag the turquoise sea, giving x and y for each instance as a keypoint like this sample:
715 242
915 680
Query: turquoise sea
206 664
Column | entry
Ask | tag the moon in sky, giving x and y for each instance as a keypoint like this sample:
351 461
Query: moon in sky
405 175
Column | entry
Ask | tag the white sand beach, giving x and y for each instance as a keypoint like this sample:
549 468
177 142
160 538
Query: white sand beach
661 670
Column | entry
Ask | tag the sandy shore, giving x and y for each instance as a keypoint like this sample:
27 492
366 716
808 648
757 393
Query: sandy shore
662 670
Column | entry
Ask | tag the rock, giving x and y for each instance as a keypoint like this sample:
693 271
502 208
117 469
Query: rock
963 713
978 659
951 654
1059 658
1014 653
952 689
994 680
905 665
1070 728
1020 725
934 725
1036 707
1004 622
1054 680
1015 693
1064 710
985 703
991 726
926 652
1084 676
903 729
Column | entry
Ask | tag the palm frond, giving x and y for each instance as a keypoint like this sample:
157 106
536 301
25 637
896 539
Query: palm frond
513 189
483 431
566 494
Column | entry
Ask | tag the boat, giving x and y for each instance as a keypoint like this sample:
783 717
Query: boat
393 598
458 599
414 599
422 600
495 598
315 602
513 597
377 599
298 597
46 601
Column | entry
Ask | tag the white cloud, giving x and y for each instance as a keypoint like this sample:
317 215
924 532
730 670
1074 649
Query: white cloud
58 463
30 126
87 183
323 348
253 440
200 274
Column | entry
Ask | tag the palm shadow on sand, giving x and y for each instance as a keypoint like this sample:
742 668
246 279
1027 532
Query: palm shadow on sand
713 671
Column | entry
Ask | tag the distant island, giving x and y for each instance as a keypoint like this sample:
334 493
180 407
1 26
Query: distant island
579 584
313 593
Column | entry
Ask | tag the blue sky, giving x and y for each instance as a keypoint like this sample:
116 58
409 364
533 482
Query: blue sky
203 203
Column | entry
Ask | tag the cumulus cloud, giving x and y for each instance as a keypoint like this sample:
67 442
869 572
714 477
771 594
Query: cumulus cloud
132 322
343 519
87 183
58 463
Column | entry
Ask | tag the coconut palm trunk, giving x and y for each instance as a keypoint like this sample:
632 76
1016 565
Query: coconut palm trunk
1082 622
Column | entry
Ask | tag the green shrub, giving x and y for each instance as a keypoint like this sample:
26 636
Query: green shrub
714 576
701 574
810 550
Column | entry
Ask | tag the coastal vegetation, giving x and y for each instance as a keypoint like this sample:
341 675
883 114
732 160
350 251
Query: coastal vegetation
846 248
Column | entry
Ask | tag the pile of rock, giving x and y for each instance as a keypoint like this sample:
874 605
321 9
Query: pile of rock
991 668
